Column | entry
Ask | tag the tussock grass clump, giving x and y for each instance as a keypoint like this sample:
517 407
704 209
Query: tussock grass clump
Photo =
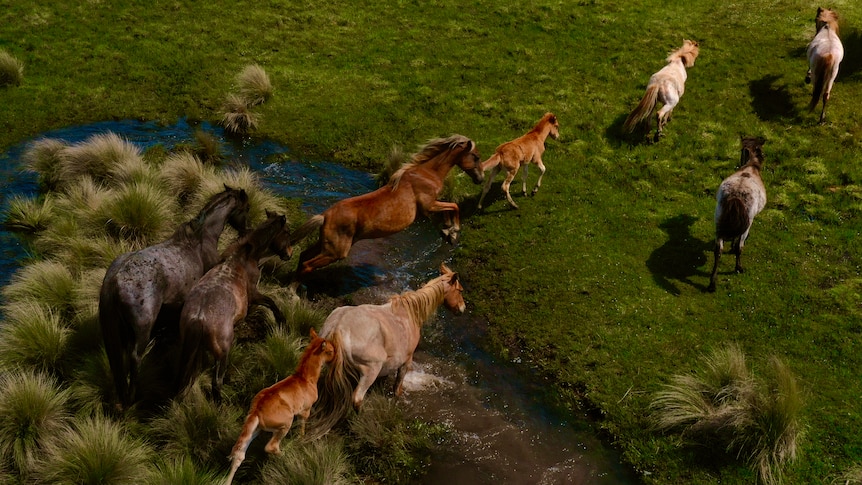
254 85
238 118
49 283
33 409
726 405
43 156
142 214
385 445
29 215
207 147
183 173
181 471
320 462
97 156
91 386
33 337
196 427
11 70
853 476
262 364
93 451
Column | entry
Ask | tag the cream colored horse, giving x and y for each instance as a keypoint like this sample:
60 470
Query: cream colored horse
825 53
666 87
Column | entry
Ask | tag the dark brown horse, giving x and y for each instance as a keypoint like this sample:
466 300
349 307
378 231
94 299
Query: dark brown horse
740 198
274 408
221 298
412 190
140 285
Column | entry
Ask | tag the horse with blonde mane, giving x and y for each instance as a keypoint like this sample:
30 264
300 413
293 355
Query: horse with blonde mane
825 53
667 87
412 190
519 153
372 341
740 198
274 408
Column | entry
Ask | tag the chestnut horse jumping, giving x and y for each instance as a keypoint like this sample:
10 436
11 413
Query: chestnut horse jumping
141 284
412 190
372 341
740 197
221 298
667 87
825 53
518 153
274 408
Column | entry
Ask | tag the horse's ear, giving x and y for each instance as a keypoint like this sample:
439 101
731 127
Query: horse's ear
444 269
312 333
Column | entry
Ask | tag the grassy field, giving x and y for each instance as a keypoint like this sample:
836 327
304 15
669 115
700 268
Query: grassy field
598 281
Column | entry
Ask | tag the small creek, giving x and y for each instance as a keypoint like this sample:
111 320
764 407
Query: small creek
503 430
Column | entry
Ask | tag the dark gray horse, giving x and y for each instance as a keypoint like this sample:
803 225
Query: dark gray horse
222 297
139 285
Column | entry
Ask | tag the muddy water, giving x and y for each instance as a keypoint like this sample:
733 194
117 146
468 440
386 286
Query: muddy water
503 431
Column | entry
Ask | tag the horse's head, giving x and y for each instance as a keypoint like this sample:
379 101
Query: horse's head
752 150
825 17
553 124
453 296
324 348
238 216
278 235
470 161
689 52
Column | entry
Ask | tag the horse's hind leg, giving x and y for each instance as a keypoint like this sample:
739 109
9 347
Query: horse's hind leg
399 377
506 183
717 256
524 170
368 374
488 182
273 447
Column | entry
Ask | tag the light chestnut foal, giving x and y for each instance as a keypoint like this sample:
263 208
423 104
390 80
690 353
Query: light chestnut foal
825 53
518 154
274 408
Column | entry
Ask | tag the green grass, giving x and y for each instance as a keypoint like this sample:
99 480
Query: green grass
596 282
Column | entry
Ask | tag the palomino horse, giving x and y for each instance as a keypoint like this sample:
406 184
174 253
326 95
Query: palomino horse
411 190
379 340
274 408
666 87
221 298
825 53
740 197
141 284
518 153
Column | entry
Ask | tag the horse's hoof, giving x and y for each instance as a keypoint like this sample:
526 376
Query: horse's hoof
808 79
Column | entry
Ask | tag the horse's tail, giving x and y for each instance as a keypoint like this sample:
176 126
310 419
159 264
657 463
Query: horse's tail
733 219
822 67
491 162
643 110
248 433
311 225
115 338
335 389
189 357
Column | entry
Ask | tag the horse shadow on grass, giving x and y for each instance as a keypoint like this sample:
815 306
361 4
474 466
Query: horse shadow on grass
678 259
772 100
617 136
851 65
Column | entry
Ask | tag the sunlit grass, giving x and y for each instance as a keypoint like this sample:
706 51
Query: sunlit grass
43 156
94 451
11 70
180 470
34 410
139 213
29 214
98 157
254 85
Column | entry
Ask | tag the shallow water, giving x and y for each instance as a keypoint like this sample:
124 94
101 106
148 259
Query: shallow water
503 432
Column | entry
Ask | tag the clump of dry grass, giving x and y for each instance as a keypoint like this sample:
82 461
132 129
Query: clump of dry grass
254 85
238 119
727 405
11 70
43 157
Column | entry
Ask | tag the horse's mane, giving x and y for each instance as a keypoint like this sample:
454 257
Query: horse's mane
688 53
827 17
193 226
422 303
429 151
